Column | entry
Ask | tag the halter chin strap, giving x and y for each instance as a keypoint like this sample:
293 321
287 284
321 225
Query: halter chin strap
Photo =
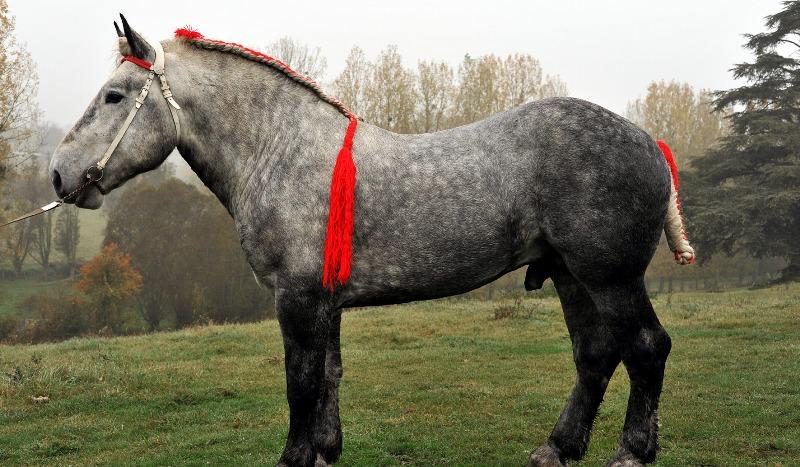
156 68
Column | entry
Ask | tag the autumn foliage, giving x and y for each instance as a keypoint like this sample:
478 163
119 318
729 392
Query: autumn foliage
109 281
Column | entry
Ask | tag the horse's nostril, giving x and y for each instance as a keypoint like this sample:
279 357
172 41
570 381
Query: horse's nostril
56 179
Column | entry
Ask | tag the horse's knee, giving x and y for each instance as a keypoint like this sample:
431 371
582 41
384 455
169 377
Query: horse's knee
649 349
596 357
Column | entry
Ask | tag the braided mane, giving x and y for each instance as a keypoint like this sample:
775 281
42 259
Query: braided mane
338 249
198 40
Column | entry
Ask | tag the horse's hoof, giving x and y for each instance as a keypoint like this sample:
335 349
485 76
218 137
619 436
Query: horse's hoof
321 462
624 458
545 456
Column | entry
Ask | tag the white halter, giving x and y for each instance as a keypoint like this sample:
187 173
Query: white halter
155 69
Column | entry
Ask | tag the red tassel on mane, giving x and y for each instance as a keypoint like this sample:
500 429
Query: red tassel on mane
188 33
338 252
339 238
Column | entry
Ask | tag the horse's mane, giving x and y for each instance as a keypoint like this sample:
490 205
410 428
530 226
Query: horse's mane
193 37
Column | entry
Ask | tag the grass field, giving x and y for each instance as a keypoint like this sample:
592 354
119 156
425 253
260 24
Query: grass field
13 293
429 383
93 230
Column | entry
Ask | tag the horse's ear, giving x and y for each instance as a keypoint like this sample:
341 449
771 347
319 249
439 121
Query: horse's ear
131 43
124 49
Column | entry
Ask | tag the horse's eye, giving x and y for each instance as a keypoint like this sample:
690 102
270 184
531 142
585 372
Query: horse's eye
113 97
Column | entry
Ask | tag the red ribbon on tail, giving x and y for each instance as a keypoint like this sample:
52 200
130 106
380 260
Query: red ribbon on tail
339 237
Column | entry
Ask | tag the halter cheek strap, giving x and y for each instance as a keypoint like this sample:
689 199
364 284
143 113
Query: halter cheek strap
155 69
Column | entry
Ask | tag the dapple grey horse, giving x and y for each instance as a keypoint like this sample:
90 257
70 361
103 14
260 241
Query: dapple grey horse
562 186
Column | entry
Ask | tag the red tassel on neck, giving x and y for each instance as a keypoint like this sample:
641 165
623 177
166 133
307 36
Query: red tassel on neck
339 238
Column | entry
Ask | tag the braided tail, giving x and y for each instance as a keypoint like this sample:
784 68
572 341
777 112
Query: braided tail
673 225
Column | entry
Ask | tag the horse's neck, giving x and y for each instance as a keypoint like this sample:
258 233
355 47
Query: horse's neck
243 122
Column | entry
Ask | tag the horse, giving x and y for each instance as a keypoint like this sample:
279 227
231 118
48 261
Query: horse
561 186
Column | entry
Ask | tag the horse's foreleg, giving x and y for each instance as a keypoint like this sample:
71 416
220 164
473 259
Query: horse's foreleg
329 432
305 322
596 356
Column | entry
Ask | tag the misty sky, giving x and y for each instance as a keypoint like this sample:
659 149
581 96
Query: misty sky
606 51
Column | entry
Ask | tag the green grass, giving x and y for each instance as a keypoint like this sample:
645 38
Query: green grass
13 293
429 383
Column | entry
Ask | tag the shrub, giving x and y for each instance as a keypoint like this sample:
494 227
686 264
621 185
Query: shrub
54 318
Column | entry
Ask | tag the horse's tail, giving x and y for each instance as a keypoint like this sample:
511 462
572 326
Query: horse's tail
673 225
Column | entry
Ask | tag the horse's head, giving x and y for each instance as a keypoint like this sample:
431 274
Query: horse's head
146 143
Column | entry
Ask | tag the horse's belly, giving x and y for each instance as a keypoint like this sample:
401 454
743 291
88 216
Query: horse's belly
440 261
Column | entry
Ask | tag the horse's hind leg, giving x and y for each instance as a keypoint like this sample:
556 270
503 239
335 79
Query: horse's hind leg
644 347
596 357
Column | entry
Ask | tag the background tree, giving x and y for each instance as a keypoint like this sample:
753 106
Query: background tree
30 188
523 80
351 83
391 94
489 84
388 95
20 196
18 89
674 112
185 244
436 92
42 241
67 236
748 194
300 57
479 94
109 281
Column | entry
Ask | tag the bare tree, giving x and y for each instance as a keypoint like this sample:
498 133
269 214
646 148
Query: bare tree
42 242
33 238
489 84
436 92
523 80
391 93
67 236
520 79
479 94
350 85
676 113
17 245
18 87
300 57
17 240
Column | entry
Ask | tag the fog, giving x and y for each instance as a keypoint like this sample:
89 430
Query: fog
606 52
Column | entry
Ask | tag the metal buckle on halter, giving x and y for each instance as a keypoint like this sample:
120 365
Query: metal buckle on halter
94 174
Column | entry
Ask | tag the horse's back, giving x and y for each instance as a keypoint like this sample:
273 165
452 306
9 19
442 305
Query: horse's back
445 212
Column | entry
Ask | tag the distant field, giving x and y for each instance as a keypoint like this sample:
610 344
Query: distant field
430 383
93 230
13 293
93 225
